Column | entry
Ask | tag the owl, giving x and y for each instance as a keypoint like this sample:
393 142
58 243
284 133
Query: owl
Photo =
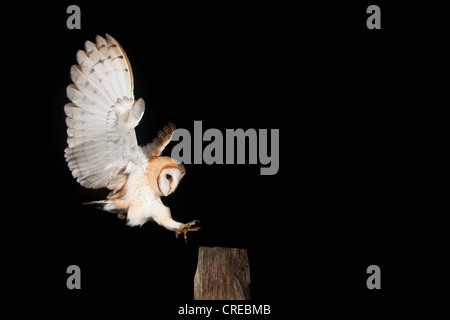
102 147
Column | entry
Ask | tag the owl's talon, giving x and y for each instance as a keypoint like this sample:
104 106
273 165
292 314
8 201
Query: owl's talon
185 228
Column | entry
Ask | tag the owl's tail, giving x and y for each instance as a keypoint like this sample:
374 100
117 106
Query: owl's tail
111 206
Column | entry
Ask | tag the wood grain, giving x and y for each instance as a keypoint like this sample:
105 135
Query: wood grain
222 274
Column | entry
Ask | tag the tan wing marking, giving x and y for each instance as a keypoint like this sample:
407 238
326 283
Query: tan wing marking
160 142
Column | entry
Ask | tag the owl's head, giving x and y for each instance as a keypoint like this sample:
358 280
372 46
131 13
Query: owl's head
167 172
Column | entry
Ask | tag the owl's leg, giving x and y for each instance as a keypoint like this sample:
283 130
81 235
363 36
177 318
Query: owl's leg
186 227
162 216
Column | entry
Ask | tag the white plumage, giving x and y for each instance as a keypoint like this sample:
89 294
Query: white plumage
102 147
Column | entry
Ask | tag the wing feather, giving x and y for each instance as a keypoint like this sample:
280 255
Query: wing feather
156 147
121 63
101 117
91 87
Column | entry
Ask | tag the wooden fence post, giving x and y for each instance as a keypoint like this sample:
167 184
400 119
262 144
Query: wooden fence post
222 274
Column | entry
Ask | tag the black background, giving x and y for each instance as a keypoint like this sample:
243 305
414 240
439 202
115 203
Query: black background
347 106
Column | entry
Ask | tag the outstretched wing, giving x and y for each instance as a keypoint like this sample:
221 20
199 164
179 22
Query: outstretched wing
102 116
156 147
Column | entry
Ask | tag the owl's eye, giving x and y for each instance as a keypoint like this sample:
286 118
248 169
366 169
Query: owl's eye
168 176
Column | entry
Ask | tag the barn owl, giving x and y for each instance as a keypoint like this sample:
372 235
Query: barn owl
102 147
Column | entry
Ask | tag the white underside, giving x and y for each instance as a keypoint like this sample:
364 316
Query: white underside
145 205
